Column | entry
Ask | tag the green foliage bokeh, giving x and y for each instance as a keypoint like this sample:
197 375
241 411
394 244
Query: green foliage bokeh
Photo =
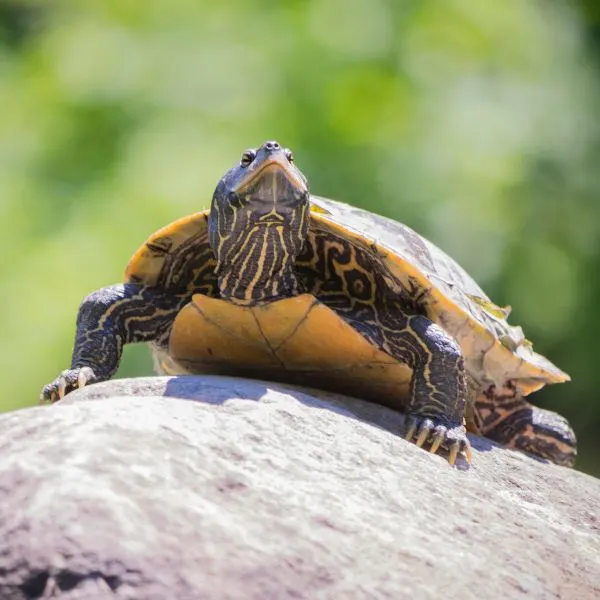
473 121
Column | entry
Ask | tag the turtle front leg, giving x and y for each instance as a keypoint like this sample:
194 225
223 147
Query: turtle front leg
502 415
108 319
435 413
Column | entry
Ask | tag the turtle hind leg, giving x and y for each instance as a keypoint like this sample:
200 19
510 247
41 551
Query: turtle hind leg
503 416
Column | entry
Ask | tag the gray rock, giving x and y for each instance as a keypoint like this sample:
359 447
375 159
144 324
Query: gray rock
213 487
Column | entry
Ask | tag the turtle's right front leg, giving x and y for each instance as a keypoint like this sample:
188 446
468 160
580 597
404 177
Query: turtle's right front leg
107 320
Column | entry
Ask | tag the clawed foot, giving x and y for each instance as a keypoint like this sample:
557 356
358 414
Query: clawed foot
454 439
66 382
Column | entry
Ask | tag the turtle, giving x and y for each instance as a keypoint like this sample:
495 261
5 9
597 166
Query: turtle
277 284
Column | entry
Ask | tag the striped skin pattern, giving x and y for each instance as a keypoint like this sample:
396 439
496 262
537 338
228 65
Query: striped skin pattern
350 279
257 235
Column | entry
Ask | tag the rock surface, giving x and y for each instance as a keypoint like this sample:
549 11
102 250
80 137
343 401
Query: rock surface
213 487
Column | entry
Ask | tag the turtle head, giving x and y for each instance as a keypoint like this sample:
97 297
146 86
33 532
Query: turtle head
258 224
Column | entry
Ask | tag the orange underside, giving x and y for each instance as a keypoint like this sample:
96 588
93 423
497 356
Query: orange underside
297 340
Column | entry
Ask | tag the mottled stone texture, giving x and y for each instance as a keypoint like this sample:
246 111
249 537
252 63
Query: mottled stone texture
210 488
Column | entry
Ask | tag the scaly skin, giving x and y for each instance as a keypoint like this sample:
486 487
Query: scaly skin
504 416
438 386
108 319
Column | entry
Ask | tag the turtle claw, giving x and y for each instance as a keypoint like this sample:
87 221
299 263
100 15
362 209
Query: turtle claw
437 440
423 435
66 382
62 387
453 439
86 375
411 427
468 453
453 453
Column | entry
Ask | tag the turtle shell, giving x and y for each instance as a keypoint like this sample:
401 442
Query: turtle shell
178 255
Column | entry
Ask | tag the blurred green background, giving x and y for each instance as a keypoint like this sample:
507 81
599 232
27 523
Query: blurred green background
474 121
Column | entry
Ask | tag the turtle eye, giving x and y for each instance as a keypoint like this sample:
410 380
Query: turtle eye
247 158
289 155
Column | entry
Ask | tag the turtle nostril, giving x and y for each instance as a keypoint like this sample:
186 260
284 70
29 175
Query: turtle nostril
272 146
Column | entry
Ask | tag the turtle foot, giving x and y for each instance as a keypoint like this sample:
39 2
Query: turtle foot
423 430
66 382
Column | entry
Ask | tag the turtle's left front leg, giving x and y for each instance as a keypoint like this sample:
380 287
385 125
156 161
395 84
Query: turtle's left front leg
107 320
435 413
